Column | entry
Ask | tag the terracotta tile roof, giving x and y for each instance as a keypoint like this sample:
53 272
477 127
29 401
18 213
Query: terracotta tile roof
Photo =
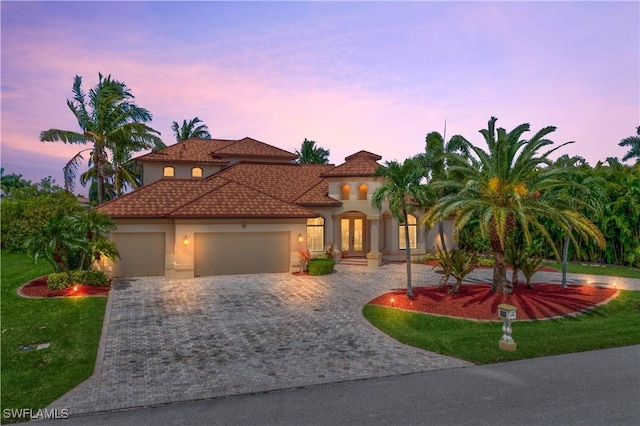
158 199
285 181
235 200
242 190
249 147
217 151
361 163
317 195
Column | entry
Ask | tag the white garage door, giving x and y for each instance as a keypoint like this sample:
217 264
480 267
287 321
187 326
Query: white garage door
141 254
241 253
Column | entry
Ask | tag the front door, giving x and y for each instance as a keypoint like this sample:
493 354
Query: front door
352 232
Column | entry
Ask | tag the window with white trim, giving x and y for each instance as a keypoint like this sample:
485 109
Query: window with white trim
413 233
315 234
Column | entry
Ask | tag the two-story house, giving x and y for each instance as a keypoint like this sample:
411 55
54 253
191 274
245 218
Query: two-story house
215 207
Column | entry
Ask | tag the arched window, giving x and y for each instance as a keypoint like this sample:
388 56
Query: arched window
168 171
362 192
196 172
345 191
315 234
413 234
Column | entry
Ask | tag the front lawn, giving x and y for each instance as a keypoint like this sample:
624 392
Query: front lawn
615 324
33 379
594 269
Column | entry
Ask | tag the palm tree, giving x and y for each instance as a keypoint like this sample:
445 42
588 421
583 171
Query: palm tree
403 191
633 142
310 154
435 164
93 225
55 242
190 130
109 120
585 194
509 187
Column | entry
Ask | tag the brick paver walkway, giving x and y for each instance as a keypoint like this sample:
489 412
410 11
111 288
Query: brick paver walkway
179 340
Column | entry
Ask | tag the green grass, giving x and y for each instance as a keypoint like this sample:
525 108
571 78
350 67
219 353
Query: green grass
36 378
593 269
615 324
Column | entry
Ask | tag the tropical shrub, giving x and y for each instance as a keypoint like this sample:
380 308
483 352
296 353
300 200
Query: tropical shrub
529 267
321 266
456 263
60 280
27 210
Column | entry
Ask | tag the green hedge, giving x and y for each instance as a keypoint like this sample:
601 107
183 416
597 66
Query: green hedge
62 280
321 266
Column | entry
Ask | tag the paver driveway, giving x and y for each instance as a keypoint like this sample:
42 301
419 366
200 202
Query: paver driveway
179 340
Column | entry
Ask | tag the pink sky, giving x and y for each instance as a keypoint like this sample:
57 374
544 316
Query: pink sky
349 75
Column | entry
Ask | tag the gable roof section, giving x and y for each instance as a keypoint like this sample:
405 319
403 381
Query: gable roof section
248 190
158 199
216 151
284 181
234 200
362 163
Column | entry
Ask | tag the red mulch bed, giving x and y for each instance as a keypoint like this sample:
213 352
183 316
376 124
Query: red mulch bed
38 288
475 301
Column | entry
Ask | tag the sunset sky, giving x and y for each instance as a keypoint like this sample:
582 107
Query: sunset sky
376 76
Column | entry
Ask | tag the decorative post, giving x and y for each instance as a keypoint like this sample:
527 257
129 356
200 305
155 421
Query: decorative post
507 313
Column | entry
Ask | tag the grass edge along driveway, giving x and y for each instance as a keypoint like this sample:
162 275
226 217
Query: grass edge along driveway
612 325
35 378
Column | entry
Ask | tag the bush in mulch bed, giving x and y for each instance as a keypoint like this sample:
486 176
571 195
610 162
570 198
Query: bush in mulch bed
40 288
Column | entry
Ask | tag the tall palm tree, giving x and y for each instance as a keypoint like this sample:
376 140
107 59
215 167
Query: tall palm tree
585 194
510 187
109 120
190 129
435 164
311 154
633 142
403 192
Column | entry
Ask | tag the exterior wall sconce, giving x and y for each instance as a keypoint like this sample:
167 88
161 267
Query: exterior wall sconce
300 239
185 241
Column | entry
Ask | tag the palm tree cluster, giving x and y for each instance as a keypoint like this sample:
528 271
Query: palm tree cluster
508 193
114 127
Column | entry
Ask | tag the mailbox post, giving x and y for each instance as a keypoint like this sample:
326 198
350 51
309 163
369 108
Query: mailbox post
507 313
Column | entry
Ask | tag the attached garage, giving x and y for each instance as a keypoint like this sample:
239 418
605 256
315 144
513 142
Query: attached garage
228 253
142 254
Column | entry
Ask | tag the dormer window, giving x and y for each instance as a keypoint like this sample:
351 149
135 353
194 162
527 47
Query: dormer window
196 172
345 191
362 192
168 171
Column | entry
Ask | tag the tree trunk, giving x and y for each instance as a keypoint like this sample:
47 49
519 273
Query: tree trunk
565 256
514 276
408 248
500 283
443 281
457 287
441 230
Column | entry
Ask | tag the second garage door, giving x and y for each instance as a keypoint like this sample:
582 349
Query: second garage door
141 254
241 253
